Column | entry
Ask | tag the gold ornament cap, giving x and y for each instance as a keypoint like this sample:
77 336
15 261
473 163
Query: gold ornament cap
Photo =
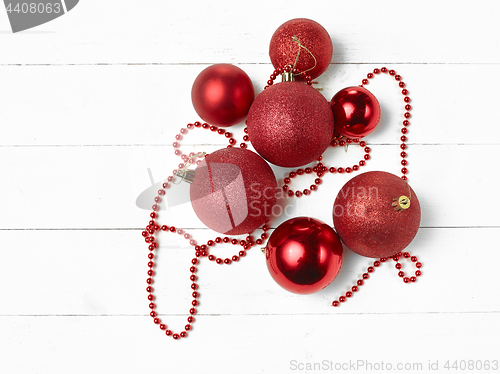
401 203
287 76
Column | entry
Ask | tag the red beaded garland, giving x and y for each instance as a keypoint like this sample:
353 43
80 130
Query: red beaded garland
200 250
377 263
319 169
341 142
153 227
407 107
206 126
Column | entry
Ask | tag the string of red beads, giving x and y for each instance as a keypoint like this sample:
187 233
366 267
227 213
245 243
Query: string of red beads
376 264
407 115
149 237
321 169
200 250
184 130
246 244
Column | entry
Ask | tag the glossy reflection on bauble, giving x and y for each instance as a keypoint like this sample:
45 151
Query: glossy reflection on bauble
303 255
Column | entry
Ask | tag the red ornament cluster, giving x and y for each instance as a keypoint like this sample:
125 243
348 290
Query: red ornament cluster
319 169
303 254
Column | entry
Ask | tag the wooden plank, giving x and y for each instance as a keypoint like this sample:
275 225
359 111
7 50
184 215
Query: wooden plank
276 343
98 187
103 273
147 105
159 32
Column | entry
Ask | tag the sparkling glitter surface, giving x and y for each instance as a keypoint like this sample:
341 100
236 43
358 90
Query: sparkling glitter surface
283 50
290 124
233 191
366 221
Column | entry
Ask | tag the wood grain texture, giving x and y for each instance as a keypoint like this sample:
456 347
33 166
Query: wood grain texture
66 187
89 106
147 105
207 32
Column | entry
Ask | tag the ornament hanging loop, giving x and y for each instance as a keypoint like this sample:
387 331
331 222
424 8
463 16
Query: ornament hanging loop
296 40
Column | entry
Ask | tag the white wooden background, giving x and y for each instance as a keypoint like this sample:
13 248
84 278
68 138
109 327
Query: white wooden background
90 101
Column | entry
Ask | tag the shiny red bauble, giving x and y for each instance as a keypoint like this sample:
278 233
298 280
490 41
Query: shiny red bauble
365 219
304 255
290 124
222 95
356 112
233 191
283 48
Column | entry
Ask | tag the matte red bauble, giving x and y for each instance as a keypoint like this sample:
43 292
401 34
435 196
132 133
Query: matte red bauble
356 112
222 95
376 214
304 255
290 124
283 48
233 191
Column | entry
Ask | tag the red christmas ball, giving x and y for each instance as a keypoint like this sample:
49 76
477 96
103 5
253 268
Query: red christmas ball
233 191
222 95
304 255
356 112
370 221
290 124
284 47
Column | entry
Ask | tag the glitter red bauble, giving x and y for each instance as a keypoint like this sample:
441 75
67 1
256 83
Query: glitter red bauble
356 112
283 49
367 222
222 95
290 124
303 255
233 191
